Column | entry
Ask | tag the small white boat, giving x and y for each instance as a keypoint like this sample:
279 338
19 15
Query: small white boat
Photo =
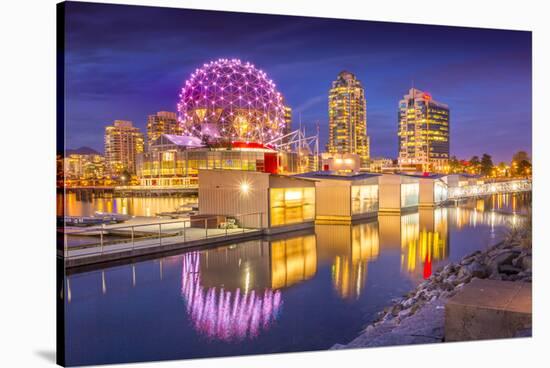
111 217
180 211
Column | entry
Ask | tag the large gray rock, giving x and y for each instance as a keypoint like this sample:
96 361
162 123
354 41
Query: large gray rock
464 275
504 257
478 270
509 269
527 262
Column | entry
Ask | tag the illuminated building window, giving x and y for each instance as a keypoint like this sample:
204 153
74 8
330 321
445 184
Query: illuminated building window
409 195
364 198
291 205
440 192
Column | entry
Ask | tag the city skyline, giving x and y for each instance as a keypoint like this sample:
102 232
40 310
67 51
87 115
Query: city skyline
137 70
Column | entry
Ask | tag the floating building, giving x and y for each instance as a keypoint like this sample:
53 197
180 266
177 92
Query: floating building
341 198
273 202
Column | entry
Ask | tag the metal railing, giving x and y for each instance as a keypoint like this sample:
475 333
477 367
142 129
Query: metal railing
155 187
490 188
155 234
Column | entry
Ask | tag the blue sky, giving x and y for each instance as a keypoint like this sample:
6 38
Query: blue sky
126 62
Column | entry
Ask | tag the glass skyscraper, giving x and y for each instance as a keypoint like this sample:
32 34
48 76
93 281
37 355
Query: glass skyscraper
348 118
423 132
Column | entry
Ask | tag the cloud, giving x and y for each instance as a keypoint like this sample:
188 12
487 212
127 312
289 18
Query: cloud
308 104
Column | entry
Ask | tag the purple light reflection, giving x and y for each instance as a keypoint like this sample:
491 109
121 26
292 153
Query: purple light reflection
226 315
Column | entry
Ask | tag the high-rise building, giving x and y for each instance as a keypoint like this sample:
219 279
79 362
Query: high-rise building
348 118
84 166
288 120
123 142
423 132
288 124
163 122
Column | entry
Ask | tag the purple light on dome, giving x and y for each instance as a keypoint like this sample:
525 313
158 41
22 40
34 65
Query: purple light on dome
229 90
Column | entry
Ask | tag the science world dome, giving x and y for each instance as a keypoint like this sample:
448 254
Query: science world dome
230 99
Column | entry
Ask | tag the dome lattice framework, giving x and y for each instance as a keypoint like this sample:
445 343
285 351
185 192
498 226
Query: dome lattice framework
230 99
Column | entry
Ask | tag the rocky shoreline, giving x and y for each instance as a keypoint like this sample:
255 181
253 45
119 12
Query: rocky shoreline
418 317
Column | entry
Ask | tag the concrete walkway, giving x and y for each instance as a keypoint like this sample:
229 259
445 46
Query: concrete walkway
191 234
142 236
193 238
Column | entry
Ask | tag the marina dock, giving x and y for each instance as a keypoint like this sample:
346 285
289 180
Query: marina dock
145 236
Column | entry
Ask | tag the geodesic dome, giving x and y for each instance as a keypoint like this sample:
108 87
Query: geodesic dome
230 99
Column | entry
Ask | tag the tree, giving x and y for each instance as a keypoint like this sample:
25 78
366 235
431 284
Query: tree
475 164
524 168
502 169
521 164
454 165
520 156
486 165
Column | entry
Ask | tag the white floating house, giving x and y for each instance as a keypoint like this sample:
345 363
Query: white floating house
342 197
274 202
433 190
398 193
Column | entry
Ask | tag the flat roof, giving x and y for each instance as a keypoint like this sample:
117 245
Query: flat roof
254 172
429 176
334 175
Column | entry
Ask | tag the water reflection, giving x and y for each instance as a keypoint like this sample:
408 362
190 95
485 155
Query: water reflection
226 314
349 249
236 293
86 205
424 240
292 261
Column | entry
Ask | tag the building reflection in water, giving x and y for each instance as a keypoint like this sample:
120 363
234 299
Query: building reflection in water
235 292
424 240
293 260
226 314
83 204
349 248
479 212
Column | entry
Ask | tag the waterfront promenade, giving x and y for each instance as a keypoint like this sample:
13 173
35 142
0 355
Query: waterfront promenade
142 236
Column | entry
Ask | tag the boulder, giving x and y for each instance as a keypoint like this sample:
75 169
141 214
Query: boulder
527 262
404 313
503 258
452 279
467 261
407 303
464 275
396 309
509 270
478 270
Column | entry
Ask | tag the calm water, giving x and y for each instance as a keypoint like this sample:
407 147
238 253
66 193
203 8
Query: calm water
298 293
77 205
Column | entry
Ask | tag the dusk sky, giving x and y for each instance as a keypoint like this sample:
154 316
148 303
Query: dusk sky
126 62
